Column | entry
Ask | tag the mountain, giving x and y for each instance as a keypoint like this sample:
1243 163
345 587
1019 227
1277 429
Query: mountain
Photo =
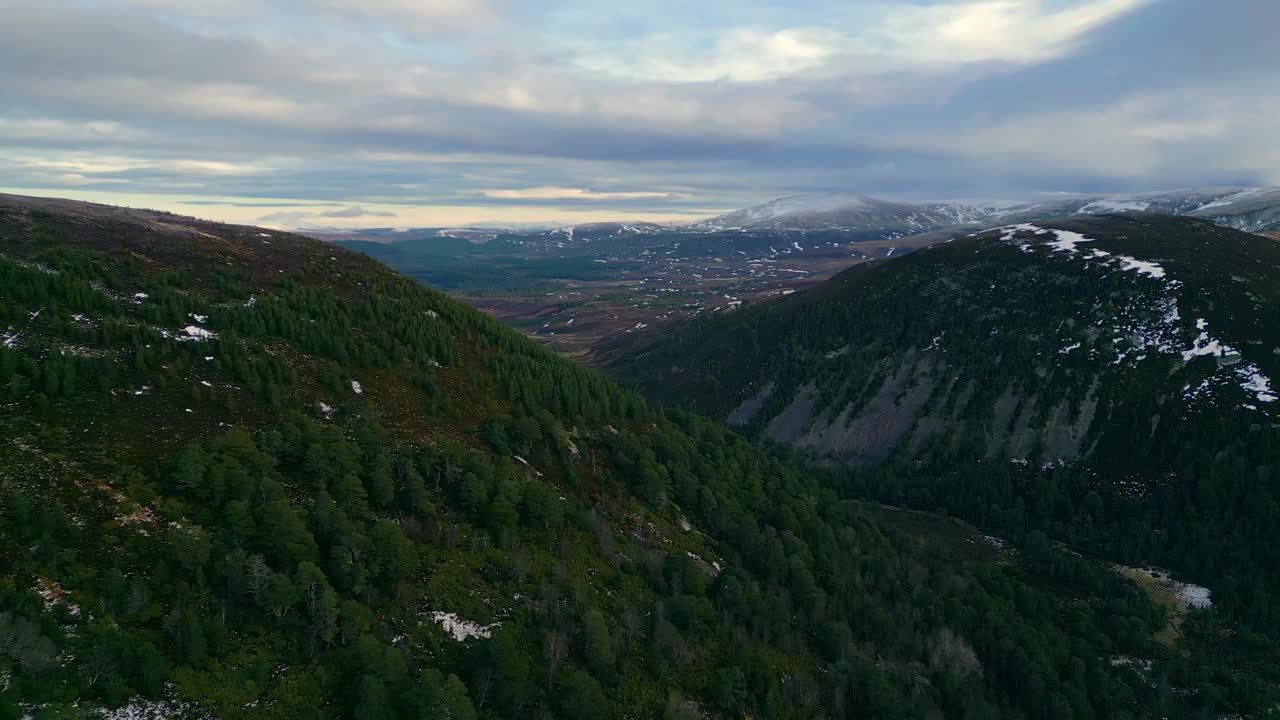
1135 295
248 474
1249 209
1111 378
844 211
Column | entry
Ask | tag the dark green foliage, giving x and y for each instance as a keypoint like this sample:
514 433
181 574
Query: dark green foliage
1159 475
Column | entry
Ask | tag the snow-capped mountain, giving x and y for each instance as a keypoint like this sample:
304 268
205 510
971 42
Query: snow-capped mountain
829 211
853 218
1250 209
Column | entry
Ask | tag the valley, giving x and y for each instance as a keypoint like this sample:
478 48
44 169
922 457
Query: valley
597 297
596 292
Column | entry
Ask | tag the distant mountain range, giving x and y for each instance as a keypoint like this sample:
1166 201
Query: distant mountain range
837 211
1248 209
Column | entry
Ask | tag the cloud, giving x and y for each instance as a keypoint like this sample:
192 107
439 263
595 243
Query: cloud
216 167
743 55
431 18
900 36
563 193
1173 136
664 108
1014 31
59 130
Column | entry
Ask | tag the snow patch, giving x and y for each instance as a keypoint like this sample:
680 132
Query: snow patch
1186 595
195 333
144 709
1204 345
1142 267
1231 199
1253 381
1067 241
356 387
1012 230
460 629
1116 205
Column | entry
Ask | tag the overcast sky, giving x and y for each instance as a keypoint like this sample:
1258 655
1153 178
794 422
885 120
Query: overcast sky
375 113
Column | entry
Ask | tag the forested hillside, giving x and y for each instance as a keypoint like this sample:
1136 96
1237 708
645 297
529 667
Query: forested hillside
1107 380
245 474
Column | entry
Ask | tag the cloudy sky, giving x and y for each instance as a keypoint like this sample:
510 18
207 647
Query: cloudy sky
363 113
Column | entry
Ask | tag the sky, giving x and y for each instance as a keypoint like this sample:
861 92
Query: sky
417 113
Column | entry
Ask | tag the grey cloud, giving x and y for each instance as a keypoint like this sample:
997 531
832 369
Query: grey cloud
329 118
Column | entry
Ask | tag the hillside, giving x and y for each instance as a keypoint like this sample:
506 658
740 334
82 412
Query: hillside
1109 379
247 474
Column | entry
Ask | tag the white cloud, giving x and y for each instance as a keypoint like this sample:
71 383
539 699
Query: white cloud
883 38
744 55
215 167
1015 31
83 165
93 163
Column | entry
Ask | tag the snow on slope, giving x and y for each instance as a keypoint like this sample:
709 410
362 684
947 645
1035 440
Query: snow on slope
1157 328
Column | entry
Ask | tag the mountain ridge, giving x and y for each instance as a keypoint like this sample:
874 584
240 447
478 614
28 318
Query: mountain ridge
1159 273
1252 209
1121 360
